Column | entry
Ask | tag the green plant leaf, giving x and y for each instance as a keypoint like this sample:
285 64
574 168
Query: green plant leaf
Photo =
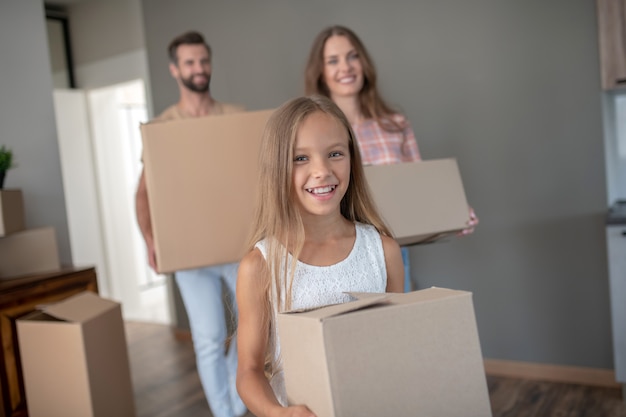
6 158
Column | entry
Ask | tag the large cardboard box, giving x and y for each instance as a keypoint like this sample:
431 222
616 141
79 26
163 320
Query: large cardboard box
400 355
31 251
420 201
11 211
201 176
75 359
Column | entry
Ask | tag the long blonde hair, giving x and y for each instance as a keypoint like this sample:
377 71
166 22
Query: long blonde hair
371 103
277 218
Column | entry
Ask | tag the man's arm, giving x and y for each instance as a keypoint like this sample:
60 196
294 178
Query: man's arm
143 219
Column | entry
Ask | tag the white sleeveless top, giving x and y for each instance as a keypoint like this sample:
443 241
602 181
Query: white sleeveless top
363 270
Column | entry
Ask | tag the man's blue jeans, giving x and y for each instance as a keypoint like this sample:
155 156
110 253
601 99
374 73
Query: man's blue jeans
202 293
408 286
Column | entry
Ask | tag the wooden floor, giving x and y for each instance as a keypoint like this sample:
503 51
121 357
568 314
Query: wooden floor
166 384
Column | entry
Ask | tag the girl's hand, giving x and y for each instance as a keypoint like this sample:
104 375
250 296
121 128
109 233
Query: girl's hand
472 223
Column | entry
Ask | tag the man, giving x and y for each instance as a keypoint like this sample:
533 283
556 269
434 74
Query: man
201 289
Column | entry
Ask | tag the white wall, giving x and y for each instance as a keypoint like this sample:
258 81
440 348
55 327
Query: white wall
80 183
112 70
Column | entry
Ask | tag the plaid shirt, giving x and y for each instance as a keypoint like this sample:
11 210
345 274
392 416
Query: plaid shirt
381 147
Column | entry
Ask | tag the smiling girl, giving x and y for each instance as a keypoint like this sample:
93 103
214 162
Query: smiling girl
317 235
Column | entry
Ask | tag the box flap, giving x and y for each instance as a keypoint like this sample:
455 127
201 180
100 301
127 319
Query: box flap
79 308
432 293
366 300
427 295
325 312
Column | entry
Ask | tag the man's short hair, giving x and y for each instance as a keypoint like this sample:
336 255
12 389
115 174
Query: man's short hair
188 38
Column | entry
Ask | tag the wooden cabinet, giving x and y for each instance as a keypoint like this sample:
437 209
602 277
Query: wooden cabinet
17 298
612 42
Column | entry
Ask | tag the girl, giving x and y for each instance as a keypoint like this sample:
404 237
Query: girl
316 235
339 67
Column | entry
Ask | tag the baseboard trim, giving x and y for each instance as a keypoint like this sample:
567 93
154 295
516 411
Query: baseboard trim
553 373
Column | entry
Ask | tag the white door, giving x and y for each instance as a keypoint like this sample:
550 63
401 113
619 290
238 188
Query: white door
100 147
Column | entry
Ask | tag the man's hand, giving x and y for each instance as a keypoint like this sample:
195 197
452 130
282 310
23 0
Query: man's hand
152 260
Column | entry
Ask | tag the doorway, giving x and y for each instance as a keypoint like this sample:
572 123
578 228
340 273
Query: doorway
100 149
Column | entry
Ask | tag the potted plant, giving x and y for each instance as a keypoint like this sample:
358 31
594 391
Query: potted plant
6 163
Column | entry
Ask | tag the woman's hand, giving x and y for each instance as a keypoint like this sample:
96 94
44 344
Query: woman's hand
471 223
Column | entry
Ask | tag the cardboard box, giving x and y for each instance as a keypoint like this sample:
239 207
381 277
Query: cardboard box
400 355
75 359
201 176
28 252
11 211
420 201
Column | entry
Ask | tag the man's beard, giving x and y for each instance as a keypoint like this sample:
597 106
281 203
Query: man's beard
197 88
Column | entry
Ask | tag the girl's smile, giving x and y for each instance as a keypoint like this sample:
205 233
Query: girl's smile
321 194
322 190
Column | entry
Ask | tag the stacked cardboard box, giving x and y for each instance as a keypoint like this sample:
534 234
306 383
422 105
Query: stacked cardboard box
23 251
11 211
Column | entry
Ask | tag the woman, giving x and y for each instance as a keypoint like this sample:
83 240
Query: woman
339 67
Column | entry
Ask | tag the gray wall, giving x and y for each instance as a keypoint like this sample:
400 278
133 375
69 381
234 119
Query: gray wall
104 29
511 89
27 123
